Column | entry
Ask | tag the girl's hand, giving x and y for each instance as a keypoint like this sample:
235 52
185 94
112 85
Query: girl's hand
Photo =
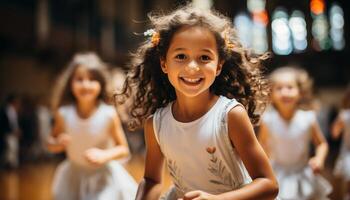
96 156
316 165
63 139
198 195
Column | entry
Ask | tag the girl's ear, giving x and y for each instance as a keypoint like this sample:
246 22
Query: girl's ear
163 66
218 71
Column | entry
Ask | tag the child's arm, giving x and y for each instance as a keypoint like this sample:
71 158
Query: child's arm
337 127
150 186
120 150
264 185
263 137
320 142
241 132
58 140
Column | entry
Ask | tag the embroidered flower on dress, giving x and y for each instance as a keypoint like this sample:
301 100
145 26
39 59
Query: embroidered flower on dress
218 169
211 150
176 174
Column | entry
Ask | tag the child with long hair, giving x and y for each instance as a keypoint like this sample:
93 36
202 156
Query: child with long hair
90 132
197 90
286 131
342 126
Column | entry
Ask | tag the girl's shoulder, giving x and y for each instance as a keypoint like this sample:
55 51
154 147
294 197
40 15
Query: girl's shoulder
161 113
226 107
228 104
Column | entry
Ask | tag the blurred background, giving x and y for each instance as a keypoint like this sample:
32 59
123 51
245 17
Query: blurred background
38 37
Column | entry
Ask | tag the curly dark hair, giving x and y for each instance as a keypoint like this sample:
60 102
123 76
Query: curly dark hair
240 78
62 93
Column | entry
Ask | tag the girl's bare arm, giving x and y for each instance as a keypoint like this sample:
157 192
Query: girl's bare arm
337 127
263 137
53 145
121 148
321 150
150 186
264 184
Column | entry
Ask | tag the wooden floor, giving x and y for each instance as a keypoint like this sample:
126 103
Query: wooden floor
32 181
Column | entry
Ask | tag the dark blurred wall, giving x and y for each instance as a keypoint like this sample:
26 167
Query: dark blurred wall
38 37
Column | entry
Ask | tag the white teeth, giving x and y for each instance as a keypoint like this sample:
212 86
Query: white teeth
192 80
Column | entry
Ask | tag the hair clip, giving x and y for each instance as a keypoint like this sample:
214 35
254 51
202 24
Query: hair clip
153 35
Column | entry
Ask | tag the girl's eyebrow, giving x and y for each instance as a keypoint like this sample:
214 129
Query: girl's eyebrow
208 50
179 49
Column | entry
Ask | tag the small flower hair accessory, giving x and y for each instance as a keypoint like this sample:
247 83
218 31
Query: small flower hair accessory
153 35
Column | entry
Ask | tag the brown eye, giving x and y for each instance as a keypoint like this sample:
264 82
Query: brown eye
205 58
180 57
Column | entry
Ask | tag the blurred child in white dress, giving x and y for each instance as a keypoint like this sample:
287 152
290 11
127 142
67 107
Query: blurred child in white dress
286 131
90 133
342 126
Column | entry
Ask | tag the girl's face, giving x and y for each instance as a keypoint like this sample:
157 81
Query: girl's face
285 91
84 87
192 60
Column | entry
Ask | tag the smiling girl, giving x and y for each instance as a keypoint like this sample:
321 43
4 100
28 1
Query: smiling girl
197 90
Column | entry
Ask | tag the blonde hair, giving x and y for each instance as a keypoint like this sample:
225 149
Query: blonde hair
62 94
304 83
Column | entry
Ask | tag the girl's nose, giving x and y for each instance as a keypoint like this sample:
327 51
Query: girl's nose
285 91
192 66
86 83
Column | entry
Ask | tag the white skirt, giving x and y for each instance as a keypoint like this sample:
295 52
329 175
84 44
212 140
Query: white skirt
111 181
301 184
342 165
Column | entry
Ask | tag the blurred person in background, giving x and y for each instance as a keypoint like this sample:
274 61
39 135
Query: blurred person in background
28 122
286 130
44 116
90 132
341 126
10 131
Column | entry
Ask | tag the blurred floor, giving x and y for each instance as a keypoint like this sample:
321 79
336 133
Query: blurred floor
32 181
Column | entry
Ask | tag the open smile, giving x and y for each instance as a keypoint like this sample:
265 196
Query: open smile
191 81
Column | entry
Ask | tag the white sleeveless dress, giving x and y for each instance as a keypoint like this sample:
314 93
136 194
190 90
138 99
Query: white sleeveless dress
289 144
75 178
199 154
342 166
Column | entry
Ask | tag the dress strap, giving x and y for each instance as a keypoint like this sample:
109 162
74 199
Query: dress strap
229 105
157 123
224 121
